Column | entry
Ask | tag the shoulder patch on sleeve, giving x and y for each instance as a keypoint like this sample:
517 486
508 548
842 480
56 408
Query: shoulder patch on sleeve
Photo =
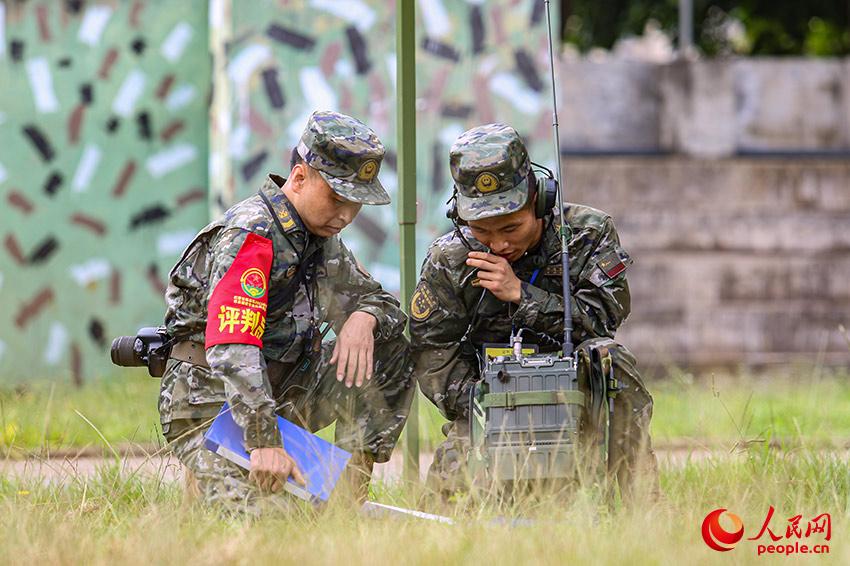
236 312
423 302
610 266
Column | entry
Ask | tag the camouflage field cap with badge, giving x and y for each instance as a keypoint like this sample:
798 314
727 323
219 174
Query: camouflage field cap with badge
490 166
348 155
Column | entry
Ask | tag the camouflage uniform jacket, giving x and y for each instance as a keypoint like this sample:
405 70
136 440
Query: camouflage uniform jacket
445 301
238 371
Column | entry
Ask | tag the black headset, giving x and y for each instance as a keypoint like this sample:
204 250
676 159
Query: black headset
545 185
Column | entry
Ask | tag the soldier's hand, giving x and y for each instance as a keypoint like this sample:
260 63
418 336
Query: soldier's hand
271 467
496 275
355 346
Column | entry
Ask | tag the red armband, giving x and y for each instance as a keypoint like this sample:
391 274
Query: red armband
236 313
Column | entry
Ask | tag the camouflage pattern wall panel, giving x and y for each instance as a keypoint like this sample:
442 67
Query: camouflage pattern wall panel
477 62
103 169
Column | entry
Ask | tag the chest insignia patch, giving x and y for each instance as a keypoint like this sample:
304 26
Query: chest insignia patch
553 270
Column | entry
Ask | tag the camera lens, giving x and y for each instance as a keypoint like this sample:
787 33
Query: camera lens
124 352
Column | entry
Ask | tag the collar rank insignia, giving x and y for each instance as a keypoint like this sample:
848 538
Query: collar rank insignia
285 219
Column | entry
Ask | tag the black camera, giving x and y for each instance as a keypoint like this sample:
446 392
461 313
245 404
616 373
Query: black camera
150 347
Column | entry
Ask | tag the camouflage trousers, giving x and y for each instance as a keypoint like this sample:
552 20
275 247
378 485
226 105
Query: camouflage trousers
633 461
368 421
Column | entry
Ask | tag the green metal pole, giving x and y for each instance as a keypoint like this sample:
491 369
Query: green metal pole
406 128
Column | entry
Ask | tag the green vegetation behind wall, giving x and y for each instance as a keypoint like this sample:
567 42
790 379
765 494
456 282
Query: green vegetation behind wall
818 28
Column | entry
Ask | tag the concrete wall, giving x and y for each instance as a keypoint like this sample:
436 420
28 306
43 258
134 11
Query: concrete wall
713 109
737 260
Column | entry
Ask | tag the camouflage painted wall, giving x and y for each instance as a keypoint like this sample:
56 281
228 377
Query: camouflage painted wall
477 62
104 138
103 172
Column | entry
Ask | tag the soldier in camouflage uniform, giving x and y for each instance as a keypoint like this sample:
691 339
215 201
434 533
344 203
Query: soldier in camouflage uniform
245 304
502 270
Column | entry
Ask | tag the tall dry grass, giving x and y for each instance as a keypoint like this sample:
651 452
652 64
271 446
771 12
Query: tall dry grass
112 518
777 442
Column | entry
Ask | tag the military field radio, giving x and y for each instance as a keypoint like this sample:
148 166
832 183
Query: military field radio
537 416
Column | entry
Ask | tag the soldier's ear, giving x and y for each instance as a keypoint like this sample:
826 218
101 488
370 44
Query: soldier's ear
299 175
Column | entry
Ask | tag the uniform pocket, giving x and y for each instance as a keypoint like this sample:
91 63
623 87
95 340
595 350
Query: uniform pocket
189 392
202 387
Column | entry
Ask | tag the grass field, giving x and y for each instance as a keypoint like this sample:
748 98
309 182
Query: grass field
110 519
116 517
711 411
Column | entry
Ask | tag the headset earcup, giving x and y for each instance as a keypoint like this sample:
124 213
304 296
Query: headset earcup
540 205
552 195
547 192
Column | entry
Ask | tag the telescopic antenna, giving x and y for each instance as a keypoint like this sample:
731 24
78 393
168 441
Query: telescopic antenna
565 257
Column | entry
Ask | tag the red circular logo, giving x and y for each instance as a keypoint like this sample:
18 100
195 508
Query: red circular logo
253 282
716 536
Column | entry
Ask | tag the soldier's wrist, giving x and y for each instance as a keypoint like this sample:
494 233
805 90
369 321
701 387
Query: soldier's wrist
516 294
525 292
372 318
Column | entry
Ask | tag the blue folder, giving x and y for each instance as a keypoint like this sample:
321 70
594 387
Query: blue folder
320 462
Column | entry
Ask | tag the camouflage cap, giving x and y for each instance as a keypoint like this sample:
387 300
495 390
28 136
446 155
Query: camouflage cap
348 155
490 168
